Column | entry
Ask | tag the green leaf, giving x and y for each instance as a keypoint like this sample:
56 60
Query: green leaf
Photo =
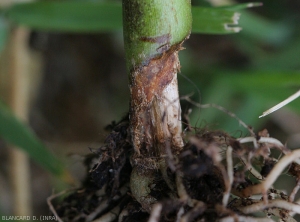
89 16
214 21
219 20
68 16
237 7
16 133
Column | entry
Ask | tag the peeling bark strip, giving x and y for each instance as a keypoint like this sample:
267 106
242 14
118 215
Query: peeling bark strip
152 79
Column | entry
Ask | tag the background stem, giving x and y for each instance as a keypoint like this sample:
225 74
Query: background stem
20 167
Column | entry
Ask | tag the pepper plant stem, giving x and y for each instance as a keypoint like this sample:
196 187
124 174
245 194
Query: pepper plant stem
154 31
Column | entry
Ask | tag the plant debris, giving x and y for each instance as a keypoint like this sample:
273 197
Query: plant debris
216 177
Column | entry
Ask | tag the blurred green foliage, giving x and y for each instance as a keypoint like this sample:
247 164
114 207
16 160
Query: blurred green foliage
266 73
14 132
270 43
80 17
67 16
97 16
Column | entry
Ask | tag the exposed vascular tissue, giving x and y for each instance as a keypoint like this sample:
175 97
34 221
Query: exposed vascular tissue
215 177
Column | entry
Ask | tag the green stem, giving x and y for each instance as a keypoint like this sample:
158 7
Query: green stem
151 27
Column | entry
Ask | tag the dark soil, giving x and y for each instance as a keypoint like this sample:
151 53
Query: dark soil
105 194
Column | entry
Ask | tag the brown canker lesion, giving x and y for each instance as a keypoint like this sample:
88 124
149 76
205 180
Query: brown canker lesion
148 82
152 129
151 79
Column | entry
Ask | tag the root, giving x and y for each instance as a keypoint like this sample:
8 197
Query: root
110 216
230 175
294 192
245 219
155 213
271 178
212 179
231 114
273 203
51 207
197 210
